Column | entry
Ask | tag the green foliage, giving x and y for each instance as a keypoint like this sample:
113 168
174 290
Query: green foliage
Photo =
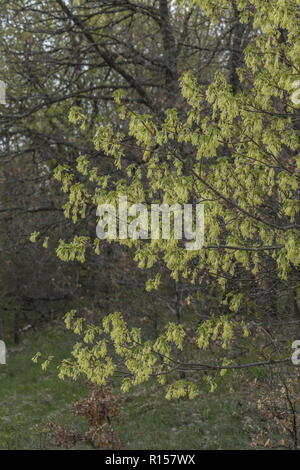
141 359
236 150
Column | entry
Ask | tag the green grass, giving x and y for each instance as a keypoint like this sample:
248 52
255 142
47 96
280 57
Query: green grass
30 398
209 422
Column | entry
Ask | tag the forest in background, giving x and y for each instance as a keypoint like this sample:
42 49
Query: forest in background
164 101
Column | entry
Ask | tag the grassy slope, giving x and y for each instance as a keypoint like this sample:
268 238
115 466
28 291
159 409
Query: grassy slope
30 398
